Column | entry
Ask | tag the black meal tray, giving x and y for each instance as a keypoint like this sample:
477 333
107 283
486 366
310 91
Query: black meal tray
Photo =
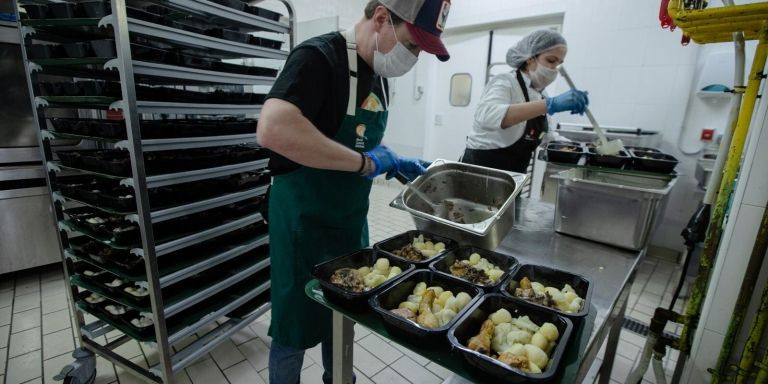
264 42
135 273
396 242
62 10
235 4
556 152
504 262
228 34
644 149
36 11
95 9
261 12
551 277
610 161
653 161
391 297
356 301
491 370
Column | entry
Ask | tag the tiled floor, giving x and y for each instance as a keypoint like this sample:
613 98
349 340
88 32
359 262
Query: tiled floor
36 336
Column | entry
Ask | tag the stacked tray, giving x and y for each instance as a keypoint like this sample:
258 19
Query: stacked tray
116 230
118 163
155 129
632 158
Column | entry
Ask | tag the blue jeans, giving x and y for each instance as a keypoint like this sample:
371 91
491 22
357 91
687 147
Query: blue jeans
285 363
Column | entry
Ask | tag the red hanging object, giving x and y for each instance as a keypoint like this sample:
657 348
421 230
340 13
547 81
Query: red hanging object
664 18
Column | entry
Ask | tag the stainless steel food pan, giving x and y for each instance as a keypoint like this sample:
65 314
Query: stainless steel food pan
611 208
487 188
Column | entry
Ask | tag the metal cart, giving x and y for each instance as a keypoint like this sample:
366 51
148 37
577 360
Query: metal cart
225 300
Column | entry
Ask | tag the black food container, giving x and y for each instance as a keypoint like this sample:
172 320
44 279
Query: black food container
221 66
396 242
36 11
129 313
228 34
151 54
104 48
550 277
491 370
391 297
261 12
70 158
504 262
261 71
78 50
62 10
355 301
113 129
236 4
139 300
194 61
653 161
564 152
40 51
100 88
146 331
95 9
264 42
644 149
121 199
128 262
611 161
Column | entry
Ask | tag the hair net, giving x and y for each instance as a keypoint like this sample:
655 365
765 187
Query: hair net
534 44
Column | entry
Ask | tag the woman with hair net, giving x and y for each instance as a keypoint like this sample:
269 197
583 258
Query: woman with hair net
511 118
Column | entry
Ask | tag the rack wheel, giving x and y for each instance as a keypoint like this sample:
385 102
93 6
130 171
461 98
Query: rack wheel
80 371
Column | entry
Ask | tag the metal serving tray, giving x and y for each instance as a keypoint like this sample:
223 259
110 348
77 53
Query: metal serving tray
610 207
476 186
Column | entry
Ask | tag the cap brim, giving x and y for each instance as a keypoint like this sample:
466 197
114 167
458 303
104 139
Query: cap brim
428 42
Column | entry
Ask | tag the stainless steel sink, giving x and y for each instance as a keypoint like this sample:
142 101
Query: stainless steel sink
479 201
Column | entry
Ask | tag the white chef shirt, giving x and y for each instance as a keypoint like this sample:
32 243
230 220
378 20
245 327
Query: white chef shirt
502 91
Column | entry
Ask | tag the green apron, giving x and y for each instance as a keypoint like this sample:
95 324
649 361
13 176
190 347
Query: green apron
316 215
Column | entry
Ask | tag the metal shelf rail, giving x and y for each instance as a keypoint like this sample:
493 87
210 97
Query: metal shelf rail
228 302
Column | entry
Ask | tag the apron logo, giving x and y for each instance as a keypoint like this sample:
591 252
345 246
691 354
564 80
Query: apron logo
443 16
360 132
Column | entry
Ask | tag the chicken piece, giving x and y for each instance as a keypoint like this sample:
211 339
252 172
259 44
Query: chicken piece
465 270
405 313
525 283
519 362
349 279
482 341
426 318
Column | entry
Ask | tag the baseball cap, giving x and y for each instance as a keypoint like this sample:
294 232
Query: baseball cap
425 20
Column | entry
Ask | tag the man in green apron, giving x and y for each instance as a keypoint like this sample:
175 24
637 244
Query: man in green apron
323 121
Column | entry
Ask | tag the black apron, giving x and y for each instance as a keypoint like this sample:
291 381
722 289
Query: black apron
517 156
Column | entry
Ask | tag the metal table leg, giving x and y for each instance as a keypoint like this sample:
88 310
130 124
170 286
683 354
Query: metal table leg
343 339
613 336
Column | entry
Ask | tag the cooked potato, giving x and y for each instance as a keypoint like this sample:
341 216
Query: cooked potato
420 288
536 355
474 258
382 265
549 331
501 316
540 341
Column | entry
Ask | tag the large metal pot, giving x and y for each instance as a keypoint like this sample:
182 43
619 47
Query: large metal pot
610 207
488 192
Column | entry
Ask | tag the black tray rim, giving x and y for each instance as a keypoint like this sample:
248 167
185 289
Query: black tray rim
485 288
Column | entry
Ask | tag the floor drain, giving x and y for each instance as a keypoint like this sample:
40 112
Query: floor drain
642 329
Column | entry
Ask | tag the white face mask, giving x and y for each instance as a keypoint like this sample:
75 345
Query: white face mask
542 76
394 63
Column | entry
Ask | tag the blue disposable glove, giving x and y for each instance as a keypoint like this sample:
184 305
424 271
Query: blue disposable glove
411 168
572 100
384 161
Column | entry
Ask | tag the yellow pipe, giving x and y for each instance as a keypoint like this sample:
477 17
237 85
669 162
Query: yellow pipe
683 17
706 38
754 26
732 166
723 20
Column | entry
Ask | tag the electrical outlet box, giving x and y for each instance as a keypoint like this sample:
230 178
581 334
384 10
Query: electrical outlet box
707 134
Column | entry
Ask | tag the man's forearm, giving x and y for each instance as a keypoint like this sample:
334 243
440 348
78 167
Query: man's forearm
284 130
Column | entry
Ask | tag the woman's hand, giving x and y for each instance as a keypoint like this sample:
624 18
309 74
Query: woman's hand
572 100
